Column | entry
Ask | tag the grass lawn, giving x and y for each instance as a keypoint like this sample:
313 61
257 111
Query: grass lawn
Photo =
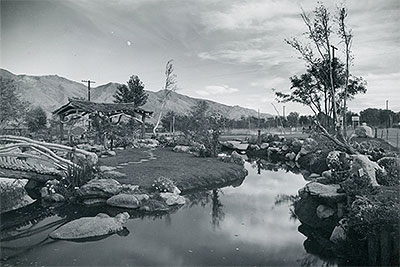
187 171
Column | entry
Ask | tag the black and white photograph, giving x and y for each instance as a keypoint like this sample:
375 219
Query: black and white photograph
199 133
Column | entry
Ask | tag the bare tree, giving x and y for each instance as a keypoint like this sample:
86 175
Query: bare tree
169 87
346 36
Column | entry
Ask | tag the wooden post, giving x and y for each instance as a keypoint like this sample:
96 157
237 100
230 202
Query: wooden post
376 132
61 127
143 125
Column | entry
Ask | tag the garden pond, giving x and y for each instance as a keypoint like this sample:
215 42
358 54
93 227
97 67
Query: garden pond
249 224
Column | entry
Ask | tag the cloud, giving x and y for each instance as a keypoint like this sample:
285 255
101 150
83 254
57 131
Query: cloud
216 90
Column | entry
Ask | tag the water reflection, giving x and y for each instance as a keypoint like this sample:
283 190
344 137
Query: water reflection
245 225
217 214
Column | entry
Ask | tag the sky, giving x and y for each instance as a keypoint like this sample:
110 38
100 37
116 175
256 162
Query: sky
231 52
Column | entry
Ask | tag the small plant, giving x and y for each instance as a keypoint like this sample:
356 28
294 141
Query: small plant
163 184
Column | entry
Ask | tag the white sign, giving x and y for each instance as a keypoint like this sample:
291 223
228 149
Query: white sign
355 118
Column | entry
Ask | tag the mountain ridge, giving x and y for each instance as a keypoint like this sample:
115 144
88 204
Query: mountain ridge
52 91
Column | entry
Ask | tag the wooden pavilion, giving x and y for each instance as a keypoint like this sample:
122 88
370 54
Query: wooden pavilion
75 109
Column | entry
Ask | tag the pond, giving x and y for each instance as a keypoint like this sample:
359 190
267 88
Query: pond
250 224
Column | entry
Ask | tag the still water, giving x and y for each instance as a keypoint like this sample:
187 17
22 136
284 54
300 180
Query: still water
243 225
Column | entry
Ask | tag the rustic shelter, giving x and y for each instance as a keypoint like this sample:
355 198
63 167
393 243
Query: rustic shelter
76 109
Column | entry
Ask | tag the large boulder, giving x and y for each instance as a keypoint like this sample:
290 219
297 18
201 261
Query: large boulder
314 162
364 131
324 211
306 211
98 188
124 201
309 145
327 193
90 227
114 174
363 167
236 145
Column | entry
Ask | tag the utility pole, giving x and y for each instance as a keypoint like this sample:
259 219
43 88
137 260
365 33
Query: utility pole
88 87
333 88
283 112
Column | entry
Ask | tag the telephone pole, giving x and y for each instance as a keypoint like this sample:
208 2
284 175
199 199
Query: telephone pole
333 88
88 87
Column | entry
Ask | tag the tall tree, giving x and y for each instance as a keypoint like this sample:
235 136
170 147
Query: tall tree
346 36
36 119
11 107
132 93
169 87
319 88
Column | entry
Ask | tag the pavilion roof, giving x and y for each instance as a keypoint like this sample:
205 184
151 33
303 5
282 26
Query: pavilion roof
75 105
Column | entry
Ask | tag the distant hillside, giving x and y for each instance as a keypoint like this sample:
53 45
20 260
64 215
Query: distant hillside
52 91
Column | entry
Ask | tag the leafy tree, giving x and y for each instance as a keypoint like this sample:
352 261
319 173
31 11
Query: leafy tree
169 87
293 119
321 87
132 93
36 119
11 107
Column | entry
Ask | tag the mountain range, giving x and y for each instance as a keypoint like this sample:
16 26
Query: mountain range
52 91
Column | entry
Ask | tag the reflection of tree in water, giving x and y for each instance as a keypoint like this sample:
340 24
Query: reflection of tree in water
267 165
287 199
217 214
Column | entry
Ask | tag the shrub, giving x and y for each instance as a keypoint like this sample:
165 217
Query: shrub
163 184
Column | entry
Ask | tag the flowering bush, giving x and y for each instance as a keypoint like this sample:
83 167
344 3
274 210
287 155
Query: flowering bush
163 184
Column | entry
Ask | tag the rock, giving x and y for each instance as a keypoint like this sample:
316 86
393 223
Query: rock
314 175
173 199
236 158
327 174
272 150
90 227
363 167
124 201
264 146
296 145
254 147
392 168
323 180
324 192
130 189
236 145
306 211
364 131
339 233
324 211
114 174
109 153
285 148
182 149
313 162
290 156
106 168
55 198
143 197
92 202
309 146
98 188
